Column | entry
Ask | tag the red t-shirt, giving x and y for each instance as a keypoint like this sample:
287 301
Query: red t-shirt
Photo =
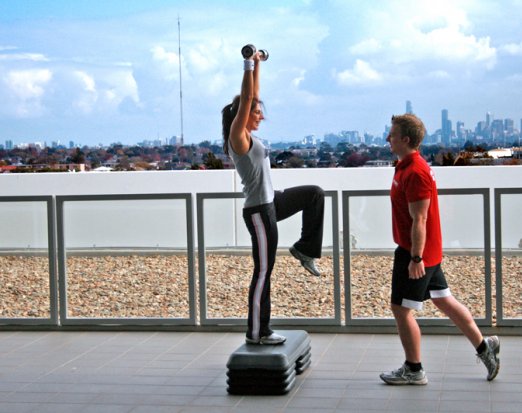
414 181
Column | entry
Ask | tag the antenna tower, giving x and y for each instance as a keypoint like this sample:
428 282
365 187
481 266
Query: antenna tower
180 83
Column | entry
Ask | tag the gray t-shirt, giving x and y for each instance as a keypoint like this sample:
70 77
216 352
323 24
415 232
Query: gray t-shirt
254 169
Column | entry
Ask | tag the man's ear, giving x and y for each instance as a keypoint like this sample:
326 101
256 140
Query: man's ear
406 139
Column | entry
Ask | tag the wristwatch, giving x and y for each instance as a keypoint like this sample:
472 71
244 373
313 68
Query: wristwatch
416 259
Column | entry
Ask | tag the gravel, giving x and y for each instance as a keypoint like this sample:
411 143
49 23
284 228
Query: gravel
157 286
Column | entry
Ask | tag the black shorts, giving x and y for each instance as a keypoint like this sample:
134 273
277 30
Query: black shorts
411 293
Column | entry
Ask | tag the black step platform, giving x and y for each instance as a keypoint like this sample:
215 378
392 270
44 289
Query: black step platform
269 369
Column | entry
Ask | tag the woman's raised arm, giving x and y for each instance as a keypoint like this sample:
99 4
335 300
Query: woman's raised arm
239 135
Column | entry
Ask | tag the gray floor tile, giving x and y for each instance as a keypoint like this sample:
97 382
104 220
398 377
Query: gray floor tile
58 408
507 397
300 410
318 392
405 405
269 403
27 397
107 408
16 407
157 409
313 402
477 396
180 371
78 398
503 407
360 405
464 406
211 401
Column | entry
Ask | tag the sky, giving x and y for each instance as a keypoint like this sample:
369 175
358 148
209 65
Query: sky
108 71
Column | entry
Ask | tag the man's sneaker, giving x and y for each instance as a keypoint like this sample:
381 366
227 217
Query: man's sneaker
307 262
403 375
272 339
490 356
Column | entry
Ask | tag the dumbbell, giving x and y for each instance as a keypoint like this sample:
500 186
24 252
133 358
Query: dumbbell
249 50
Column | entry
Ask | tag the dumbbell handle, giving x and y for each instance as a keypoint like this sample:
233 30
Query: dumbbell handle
263 54
250 50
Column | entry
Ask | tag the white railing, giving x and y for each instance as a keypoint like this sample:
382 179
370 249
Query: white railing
130 211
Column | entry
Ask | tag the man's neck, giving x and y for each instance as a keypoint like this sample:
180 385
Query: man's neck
405 154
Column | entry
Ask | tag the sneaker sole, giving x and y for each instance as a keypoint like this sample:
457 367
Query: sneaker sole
496 371
496 352
295 253
263 342
406 383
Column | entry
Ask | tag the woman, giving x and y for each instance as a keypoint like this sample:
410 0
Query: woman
263 208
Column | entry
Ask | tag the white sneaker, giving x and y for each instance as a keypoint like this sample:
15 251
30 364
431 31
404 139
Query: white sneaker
490 356
307 262
272 339
403 375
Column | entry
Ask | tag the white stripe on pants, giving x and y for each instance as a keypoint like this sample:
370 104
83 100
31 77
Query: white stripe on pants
263 264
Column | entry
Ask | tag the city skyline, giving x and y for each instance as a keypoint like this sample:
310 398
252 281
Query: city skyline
101 72
489 130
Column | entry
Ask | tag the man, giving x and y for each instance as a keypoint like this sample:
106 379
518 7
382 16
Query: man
417 274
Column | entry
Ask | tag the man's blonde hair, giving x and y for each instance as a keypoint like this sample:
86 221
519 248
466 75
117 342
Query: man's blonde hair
411 126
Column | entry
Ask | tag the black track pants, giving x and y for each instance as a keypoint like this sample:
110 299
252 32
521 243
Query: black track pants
261 222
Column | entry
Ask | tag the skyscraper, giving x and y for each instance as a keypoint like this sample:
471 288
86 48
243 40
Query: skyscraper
509 126
497 130
408 107
489 119
446 128
460 130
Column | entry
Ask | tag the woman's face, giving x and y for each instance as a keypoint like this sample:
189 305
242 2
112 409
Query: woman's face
255 118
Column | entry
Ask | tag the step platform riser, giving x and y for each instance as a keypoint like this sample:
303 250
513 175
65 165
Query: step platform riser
269 369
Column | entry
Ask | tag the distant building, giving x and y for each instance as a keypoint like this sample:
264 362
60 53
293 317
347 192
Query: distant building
460 130
501 153
489 119
446 128
509 126
9 145
378 163
409 109
497 130
386 132
309 140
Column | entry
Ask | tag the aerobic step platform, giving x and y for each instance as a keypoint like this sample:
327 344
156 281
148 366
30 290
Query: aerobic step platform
268 369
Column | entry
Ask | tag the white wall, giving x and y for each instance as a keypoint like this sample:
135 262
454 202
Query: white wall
161 223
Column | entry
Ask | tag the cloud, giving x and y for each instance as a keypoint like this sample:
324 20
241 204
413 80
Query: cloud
112 88
167 62
98 92
514 49
88 96
296 81
361 74
425 31
34 57
438 74
419 49
367 46
27 89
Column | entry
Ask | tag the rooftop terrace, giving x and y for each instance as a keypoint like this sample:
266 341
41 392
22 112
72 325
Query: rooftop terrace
176 362
120 372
